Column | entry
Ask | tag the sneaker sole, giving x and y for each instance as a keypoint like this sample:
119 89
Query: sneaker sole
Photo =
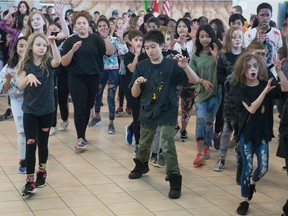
111 132
80 149
183 140
28 193
199 164
218 170
41 186
21 172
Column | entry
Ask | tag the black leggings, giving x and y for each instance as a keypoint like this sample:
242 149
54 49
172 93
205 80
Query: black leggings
63 94
83 92
33 129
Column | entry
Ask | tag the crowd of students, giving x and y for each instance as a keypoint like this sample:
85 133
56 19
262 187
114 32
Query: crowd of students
232 77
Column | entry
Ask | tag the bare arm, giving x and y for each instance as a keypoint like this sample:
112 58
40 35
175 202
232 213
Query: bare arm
24 80
55 52
257 103
136 90
109 46
59 7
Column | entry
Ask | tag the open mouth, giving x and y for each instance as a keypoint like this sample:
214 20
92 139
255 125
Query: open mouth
253 75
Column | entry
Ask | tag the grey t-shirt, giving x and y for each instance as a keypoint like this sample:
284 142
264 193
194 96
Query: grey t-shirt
39 100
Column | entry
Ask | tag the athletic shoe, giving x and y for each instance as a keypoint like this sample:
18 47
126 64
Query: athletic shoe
119 110
111 129
243 208
199 160
22 167
93 122
6 115
81 145
219 167
29 188
129 135
136 149
177 129
128 111
284 168
153 159
183 135
63 126
161 160
206 152
52 131
41 179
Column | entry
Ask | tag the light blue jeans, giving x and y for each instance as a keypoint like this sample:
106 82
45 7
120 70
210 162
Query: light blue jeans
247 150
205 115
16 107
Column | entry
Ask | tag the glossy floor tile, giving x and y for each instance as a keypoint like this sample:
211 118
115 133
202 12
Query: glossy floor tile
96 182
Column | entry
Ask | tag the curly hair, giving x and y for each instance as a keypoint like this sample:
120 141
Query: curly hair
241 66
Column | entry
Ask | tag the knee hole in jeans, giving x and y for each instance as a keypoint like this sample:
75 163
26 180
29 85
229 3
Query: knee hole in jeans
209 123
200 120
30 141
45 129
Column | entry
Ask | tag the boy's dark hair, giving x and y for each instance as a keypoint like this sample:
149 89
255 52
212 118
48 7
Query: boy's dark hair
104 20
154 20
96 12
164 18
203 20
264 5
147 17
234 17
134 33
238 8
154 36
187 15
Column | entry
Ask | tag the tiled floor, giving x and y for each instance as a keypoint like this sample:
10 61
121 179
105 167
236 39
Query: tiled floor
96 182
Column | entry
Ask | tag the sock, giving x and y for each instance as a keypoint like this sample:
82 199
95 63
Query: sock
30 178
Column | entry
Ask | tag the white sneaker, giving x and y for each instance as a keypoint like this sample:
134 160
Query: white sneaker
63 126
52 131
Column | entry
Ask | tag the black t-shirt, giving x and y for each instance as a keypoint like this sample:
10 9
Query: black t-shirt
129 57
159 102
88 59
259 125
225 65
39 100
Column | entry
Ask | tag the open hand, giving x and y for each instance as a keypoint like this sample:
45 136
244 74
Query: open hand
32 80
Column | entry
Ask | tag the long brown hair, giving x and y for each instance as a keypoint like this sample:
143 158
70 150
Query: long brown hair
241 66
29 29
28 54
228 39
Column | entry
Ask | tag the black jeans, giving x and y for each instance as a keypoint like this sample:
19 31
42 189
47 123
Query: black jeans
33 129
63 94
83 92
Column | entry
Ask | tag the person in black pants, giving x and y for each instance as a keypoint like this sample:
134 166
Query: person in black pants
83 55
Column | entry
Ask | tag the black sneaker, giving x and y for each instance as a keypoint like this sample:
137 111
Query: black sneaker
183 135
284 168
6 115
252 190
41 179
243 208
29 188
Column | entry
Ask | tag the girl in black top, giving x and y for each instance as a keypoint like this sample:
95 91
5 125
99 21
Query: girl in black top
83 55
254 98
35 71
